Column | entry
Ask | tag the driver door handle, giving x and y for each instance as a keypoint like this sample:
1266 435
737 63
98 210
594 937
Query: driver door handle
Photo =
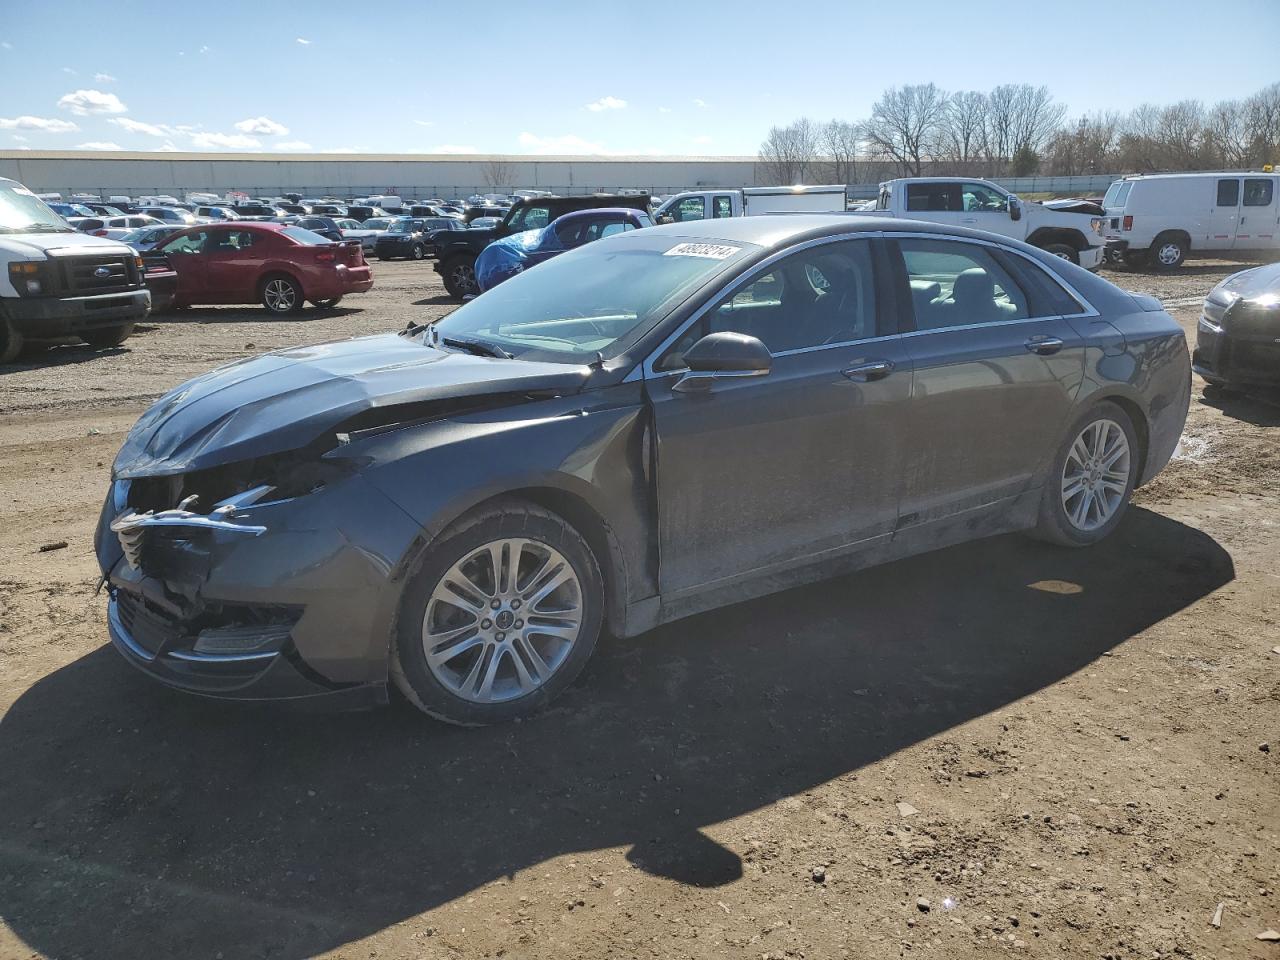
870 370
1044 346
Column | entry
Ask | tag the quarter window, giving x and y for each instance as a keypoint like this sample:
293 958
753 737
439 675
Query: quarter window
955 284
1259 192
1228 193
721 207
187 243
231 241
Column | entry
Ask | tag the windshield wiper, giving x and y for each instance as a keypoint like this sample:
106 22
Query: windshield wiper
478 347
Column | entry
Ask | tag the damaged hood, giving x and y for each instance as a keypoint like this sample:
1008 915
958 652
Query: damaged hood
284 400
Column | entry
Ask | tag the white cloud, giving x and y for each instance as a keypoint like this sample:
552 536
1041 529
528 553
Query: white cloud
606 103
137 126
425 123
704 139
262 125
20 138
68 71
99 145
167 147
103 78
204 49
343 150
233 141
664 109
293 145
47 124
303 40
84 102
569 143
6 44
698 102
453 148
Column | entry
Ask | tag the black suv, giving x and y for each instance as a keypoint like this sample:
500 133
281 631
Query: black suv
456 252
413 237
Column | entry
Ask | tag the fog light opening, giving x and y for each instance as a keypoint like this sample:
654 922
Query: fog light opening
239 639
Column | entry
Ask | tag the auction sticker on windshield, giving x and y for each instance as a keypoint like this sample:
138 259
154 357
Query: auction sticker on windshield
711 251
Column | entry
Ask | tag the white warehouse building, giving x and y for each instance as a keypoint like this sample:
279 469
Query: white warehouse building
416 176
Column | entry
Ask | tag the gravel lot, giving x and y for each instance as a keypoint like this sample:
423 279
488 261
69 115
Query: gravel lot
1002 748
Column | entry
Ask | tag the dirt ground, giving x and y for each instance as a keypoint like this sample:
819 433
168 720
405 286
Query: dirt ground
999 749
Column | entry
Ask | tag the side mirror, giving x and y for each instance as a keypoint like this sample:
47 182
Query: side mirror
666 218
719 356
1015 209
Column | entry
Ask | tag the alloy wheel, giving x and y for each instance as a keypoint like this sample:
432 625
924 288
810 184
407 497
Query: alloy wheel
279 295
464 277
1095 476
502 620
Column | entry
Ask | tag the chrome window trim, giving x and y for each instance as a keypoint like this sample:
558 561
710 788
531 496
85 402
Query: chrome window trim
649 373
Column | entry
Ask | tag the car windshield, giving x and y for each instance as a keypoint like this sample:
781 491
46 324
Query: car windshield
21 211
402 226
376 223
597 299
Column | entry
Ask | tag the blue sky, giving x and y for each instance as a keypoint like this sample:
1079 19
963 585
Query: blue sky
577 77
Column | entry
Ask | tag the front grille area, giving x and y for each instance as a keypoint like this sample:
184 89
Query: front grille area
97 274
176 554
149 627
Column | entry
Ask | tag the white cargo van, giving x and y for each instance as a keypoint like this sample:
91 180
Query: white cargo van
1158 220
56 281
388 203
750 201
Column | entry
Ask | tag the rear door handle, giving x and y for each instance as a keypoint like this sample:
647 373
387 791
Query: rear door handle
1045 346
871 370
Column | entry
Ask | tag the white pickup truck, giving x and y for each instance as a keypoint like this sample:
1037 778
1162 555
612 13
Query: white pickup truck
981 205
56 281
749 201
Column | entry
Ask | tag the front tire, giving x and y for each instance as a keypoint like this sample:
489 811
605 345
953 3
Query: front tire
1092 478
499 617
1063 251
108 336
460 276
11 340
282 295
1168 252
417 253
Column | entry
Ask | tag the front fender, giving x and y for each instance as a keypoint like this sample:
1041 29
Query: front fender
590 446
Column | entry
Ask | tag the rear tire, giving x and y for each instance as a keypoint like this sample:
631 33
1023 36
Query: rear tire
1168 251
108 336
282 295
1091 479
1063 251
460 276
487 665
11 340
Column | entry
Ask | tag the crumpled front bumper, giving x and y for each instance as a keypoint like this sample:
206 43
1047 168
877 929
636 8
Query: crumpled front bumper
326 567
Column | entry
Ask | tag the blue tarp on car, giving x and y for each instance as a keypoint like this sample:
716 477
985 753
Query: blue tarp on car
504 258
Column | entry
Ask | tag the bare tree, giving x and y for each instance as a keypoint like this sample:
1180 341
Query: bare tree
1262 111
497 172
788 153
905 124
1020 120
1229 134
963 128
1087 146
838 144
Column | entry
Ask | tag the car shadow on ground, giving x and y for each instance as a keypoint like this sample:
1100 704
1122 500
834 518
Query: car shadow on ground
42 354
248 313
1259 406
138 821
438 300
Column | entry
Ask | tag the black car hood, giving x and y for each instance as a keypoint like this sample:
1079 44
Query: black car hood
284 400
1250 284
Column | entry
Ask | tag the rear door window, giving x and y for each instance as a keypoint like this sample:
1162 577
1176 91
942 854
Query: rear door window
934 197
1258 192
721 207
956 284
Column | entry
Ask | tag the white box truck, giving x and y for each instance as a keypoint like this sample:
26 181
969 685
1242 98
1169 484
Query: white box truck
56 281
750 202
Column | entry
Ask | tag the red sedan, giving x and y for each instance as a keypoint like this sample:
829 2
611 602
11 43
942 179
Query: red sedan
277 265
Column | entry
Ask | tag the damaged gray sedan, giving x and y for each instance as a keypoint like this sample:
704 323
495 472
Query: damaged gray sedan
656 424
